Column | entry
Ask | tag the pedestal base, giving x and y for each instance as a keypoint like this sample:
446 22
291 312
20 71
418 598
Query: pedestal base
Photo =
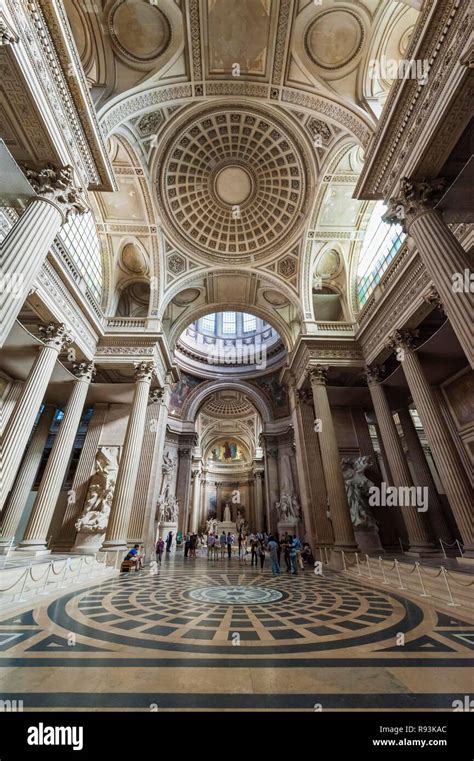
88 543
290 526
33 551
163 530
368 541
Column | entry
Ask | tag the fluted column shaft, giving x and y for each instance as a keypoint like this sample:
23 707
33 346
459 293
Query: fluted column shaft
36 533
183 484
196 496
7 404
336 490
22 254
21 422
453 476
417 534
26 475
258 486
117 529
447 262
423 476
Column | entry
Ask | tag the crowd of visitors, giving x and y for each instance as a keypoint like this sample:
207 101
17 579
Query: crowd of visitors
286 551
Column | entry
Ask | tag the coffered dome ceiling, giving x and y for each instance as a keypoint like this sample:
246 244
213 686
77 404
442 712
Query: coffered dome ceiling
233 183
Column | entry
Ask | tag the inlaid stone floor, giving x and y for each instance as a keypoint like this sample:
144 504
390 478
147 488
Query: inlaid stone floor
206 636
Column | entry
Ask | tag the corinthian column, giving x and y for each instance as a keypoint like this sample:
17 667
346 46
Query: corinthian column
36 535
27 244
423 476
453 476
26 475
116 535
447 263
418 538
335 487
258 486
196 494
18 430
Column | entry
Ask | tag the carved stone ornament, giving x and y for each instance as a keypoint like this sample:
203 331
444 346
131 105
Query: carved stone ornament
56 336
318 375
84 371
95 515
373 375
415 197
7 35
144 371
433 297
57 186
402 339
156 395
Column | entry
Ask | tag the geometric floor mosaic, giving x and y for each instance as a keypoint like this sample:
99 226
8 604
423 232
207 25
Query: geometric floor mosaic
200 636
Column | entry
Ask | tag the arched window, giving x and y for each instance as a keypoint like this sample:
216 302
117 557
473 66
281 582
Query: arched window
79 237
209 322
381 243
250 323
229 322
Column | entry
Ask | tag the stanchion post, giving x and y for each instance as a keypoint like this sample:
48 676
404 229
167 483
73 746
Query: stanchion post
442 547
398 574
66 564
357 563
383 570
451 604
27 571
368 566
344 561
459 547
418 568
46 578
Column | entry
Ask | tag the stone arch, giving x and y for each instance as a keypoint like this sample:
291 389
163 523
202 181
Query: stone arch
199 395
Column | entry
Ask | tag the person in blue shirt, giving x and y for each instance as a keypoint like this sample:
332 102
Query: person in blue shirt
295 548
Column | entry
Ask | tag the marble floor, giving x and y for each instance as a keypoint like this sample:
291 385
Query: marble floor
200 635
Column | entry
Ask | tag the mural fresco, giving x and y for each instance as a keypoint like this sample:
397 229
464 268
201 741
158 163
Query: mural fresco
180 392
229 451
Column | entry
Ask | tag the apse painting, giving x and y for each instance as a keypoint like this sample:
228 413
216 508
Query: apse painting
228 451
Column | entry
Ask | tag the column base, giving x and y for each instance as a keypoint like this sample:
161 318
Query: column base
118 545
467 561
423 552
6 547
35 549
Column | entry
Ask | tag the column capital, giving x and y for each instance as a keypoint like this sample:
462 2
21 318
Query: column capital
56 335
303 396
402 339
318 375
258 475
84 371
414 198
196 473
433 297
57 186
272 452
373 375
156 395
185 452
144 371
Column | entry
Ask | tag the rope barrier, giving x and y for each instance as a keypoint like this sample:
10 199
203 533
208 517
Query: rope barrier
459 583
41 577
7 589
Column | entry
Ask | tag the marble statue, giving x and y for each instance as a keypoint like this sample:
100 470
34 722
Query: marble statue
358 492
168 507
168 464
212 526
227 514
95 514
287 507
92 523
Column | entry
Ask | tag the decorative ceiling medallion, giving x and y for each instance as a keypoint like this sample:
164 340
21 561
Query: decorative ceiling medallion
232 184
186 297
275 298
334 38
139 31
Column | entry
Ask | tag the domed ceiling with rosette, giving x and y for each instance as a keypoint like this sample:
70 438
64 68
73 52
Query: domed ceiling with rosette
233 183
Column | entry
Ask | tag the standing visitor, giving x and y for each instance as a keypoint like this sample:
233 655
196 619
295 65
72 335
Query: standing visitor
261 555
222 543
273 550
169 541
211 539
160 548
294 550
229 541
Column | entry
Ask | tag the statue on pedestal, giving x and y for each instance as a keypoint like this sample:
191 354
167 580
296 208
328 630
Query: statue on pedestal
358 492
287 508
227 514
92 523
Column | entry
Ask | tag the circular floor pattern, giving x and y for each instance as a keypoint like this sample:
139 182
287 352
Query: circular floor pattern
239 595
200 610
